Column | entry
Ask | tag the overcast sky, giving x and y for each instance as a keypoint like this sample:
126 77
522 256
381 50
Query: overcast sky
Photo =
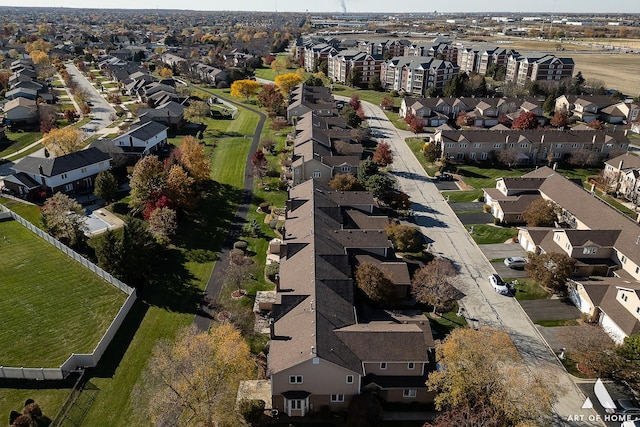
553 6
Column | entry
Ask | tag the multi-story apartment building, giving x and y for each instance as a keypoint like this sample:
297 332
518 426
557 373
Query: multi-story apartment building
343 62
478 59
538 67
416 74
315 53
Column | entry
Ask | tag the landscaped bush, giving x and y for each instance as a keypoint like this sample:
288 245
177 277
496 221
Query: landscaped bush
241 244
486 208
271 270
237 256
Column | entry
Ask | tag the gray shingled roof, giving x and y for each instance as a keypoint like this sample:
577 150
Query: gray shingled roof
53 166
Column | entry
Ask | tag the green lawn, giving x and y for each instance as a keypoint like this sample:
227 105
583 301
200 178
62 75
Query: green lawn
372 96
462 196
484 234
63 310
446 322
17 141
528 289
27 211
120 378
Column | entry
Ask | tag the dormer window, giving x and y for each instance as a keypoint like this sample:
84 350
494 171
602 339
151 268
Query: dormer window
589 250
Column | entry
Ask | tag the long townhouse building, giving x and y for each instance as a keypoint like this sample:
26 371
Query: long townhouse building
325 349
532 146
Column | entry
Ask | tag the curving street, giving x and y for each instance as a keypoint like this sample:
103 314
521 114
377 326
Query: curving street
482 305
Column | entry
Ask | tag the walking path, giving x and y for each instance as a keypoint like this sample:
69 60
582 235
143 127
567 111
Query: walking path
204 316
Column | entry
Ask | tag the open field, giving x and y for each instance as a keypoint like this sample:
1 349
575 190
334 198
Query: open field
48 312
617 70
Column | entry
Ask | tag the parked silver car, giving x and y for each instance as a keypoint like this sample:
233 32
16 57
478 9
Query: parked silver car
515 262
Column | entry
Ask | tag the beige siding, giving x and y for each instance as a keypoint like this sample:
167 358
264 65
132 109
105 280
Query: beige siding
629 300
325 378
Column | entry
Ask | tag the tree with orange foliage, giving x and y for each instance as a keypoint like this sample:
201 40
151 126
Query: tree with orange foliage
194 159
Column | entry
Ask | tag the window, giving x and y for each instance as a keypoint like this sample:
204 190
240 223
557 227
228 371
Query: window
68 187
63 176
383 365
349 379
346 168
296 404
637 270
337 397
316 174
83 170
623 259
410 392
463 145
295 379
638 310
411 365
590 250
624 297
558 145
483 156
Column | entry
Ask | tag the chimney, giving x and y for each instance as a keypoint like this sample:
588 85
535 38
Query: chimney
542 139
272 331
594 138
40 170
506 140
620 165
555 166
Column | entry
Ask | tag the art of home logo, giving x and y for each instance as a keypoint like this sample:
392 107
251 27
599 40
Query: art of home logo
603 396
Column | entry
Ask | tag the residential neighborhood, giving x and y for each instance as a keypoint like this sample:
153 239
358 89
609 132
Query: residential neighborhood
331 219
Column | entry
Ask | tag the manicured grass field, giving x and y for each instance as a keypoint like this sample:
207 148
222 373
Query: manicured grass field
17 141
48 312
484 234
27 211
416 144
528 289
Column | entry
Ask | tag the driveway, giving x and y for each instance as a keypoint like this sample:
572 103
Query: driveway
450 239
550 309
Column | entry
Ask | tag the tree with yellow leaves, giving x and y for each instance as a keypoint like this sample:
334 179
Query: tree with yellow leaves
287 81
194 380
166 72
194 159
39 57
64 141
484 380
244 88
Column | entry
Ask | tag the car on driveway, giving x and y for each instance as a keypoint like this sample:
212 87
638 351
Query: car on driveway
515 262
631 423
445 177
499 285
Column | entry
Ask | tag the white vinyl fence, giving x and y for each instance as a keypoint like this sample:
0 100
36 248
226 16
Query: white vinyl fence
75 361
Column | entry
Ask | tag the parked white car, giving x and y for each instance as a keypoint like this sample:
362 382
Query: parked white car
499 285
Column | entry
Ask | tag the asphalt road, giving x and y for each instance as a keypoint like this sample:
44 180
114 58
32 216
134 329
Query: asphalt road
482 305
